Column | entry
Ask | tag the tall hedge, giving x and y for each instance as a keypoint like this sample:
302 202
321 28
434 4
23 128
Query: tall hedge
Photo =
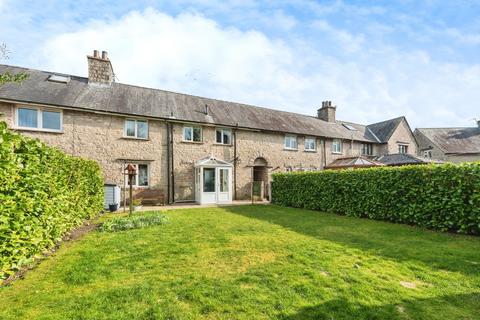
44 193
442 197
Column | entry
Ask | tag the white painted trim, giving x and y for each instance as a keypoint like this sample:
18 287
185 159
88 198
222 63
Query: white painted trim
136 128
40 111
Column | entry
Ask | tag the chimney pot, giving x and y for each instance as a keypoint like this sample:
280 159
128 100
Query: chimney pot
104 55
206 109
95 54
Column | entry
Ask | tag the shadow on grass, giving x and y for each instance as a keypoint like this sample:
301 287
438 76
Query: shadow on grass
394 241
463 306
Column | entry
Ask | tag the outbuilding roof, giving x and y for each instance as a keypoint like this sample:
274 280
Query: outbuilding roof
400 159
139 101
454 140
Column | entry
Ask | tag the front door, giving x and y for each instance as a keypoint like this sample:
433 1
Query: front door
209 190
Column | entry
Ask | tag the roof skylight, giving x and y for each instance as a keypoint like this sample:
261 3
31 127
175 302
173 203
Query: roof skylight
349 127
59 78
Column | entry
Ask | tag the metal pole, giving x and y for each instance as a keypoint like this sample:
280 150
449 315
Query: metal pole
251 187
130 177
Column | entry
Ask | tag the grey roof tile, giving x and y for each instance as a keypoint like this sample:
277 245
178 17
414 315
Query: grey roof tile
454 140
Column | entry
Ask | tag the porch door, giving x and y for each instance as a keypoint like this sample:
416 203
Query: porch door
209 192
224 192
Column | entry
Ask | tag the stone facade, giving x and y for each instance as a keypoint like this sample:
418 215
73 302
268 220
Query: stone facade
100 137
100 69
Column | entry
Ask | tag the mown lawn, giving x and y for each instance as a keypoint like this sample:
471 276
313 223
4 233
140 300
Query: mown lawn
254 262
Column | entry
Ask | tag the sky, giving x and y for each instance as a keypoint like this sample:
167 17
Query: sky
374 59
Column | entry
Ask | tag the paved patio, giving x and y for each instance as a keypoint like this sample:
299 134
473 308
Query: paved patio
187 205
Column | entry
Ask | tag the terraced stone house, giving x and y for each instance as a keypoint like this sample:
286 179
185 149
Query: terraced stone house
184 147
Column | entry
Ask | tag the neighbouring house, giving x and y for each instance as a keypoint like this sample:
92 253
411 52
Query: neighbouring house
449 144
184 147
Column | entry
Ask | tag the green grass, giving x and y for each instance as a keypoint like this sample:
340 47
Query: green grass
254 262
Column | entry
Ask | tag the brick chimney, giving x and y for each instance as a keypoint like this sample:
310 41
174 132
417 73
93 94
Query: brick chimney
100 70
327 111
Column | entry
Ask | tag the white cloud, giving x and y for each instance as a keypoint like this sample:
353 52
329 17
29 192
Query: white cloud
193 54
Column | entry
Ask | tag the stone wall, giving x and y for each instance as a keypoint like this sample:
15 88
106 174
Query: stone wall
100 137
401 135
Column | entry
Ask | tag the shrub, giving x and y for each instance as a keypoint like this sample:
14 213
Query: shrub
133 222
44 193
443 197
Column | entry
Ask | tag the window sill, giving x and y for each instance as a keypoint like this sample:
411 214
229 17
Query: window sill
134 138
222 144
37 130
333 152
289 149
311 151
192 142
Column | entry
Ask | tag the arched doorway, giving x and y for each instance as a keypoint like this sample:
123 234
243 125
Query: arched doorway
260 179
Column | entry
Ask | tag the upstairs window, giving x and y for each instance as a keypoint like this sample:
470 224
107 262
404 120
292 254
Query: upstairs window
290 142
192 134
38 119
337 146
427 154
223 136
367 149
402 148
310 144
136 128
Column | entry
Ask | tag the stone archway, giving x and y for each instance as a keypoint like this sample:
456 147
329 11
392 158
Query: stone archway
260 178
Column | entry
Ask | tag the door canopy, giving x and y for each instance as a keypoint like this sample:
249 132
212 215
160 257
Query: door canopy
211 161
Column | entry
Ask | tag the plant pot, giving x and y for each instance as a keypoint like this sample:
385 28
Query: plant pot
113 207
136 208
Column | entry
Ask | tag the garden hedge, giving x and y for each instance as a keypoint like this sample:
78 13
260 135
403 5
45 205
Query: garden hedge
443 197
44 193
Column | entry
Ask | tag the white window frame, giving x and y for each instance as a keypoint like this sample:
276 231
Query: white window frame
340 144
314 144
40 111
135 185
222 130
404 147
367 146
191 128
288 147
136 129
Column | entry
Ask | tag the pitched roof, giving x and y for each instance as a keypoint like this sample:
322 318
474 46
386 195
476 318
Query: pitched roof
133 100
398 159
353 162
454 140
384 130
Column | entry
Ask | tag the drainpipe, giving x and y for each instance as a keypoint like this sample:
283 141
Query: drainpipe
324 153
235 163
168 164
172 167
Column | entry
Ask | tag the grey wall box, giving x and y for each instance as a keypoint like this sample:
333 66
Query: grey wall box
112 195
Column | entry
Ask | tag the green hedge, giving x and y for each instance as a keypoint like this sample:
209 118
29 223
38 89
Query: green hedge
442 197
44 193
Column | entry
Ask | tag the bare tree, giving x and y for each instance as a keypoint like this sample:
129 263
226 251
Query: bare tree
8 76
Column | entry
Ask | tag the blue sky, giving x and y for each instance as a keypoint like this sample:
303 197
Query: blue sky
374 59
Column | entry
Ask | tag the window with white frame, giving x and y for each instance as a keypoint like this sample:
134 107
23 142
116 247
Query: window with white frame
337 146
223 136
38 119
141 179
310 144
367 149
135 128
290 142
192 134
402 148
427 154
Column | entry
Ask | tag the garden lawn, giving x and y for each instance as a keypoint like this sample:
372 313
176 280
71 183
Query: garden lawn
254 262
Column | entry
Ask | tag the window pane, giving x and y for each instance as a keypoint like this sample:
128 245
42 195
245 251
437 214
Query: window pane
197 134
27 118
51 120
223 180
143 175
226 136
142 129
219 136
209 180
187 134
130 128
